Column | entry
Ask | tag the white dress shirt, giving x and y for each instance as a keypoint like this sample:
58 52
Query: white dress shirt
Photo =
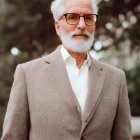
78 77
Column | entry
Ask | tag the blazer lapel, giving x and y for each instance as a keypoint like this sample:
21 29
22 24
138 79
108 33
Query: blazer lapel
59 78
96 82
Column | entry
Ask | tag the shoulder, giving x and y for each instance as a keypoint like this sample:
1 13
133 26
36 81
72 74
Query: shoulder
36 63
110 70
31 67
32 64
113 75
39 63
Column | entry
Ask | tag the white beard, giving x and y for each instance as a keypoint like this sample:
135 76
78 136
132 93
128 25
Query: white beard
77 45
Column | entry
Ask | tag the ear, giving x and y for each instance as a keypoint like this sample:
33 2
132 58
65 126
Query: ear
57 27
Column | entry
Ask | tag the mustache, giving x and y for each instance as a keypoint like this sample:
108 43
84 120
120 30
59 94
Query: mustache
84 32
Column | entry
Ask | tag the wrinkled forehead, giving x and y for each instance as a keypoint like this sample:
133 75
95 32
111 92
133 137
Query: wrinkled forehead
71 4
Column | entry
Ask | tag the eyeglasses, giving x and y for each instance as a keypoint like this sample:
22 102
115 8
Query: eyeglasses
73 18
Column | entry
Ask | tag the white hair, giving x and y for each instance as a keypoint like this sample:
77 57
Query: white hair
57 8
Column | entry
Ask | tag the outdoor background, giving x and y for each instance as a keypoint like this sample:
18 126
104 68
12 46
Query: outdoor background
27 32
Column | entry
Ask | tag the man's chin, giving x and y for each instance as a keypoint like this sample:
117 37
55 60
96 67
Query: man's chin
78 48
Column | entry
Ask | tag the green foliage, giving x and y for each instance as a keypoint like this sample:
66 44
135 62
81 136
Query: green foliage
24 24
118 21
133 78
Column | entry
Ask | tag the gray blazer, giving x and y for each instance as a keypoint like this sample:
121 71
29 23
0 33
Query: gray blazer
42 105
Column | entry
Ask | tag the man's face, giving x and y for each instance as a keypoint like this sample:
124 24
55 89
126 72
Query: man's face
78 37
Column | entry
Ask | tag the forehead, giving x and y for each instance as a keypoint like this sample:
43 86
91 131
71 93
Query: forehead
78 6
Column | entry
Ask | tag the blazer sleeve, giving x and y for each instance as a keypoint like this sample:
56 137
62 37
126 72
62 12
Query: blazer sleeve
122 123
16 123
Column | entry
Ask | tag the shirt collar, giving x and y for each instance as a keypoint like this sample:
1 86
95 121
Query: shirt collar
66 56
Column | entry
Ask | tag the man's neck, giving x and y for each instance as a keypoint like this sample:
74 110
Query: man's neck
79 57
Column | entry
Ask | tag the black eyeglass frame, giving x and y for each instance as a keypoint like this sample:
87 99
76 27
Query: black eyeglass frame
65 15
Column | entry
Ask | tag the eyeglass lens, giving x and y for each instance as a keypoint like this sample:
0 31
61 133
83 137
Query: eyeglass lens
73 18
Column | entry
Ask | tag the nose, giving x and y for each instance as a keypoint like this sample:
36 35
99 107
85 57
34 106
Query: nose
81 25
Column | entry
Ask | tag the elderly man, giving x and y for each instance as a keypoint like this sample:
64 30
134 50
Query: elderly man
68 95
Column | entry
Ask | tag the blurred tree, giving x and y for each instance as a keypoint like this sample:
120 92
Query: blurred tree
29 27
133 78
27 32
119 20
